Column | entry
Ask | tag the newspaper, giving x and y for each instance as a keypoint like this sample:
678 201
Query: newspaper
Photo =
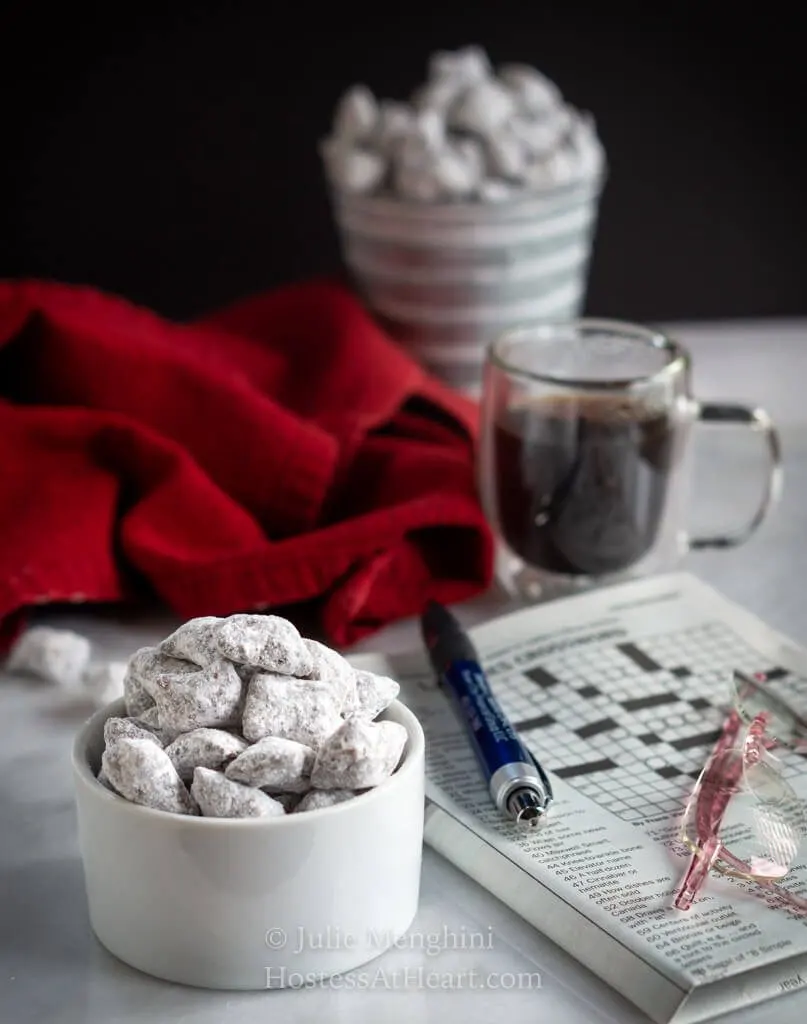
620 693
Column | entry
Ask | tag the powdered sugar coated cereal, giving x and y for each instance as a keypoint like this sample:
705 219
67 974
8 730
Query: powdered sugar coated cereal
149 719
194 641
135 696
358 755
317 798
204 748
274 763
264 641
330 667
294 709
114 728
103 683
220 797
57 656
211 696
374 693
143 671
142 772
356 115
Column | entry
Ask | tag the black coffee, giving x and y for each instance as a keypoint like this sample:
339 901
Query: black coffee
581 482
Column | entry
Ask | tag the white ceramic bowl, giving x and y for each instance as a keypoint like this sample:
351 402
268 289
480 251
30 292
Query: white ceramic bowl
251 903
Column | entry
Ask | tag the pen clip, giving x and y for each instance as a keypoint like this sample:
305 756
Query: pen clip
550 796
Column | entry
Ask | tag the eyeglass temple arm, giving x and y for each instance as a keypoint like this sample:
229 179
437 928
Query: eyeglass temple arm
709 814
699 867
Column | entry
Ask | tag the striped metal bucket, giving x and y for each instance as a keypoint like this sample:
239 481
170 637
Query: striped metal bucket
444 280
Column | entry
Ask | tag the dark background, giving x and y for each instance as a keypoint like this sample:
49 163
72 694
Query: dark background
170 155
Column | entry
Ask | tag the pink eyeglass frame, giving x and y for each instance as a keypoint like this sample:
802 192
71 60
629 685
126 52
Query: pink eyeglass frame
714 789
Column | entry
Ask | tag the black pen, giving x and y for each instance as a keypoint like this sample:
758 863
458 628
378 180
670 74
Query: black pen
518 785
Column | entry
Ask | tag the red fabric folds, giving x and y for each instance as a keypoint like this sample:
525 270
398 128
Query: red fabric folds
282 451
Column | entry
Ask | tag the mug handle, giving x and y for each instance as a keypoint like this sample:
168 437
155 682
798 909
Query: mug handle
759 421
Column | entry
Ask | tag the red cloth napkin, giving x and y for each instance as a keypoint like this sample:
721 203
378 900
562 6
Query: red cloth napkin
280 451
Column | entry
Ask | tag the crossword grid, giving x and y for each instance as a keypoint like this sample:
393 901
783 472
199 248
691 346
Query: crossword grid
630 725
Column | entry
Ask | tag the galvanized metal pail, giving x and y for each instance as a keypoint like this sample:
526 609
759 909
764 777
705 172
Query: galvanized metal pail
445 279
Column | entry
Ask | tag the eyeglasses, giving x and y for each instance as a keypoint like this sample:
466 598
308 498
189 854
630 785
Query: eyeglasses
743 819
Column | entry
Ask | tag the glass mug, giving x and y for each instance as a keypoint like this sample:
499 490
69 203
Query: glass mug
583 455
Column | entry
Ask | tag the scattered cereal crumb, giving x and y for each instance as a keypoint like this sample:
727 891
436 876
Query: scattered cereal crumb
103 682
57 656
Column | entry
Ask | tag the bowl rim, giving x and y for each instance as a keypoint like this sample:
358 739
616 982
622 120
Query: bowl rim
414 756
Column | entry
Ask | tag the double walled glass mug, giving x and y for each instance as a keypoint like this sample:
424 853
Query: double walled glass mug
583 462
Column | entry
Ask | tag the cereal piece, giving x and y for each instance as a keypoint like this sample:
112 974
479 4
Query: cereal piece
469 64
220 797
533 92
135 696
561 165
57 656
352 169
438 95
451 171
506 155
103 683
149 665
209 697
194 641
358 755
265 641
417 183
294 709
356 115
114 728
142 674
493 190
394 123
274 764
587 148
103 778
373 694
424 139
539 175
483 108
317 798
330 667
149 719
143 773
204 748
537 137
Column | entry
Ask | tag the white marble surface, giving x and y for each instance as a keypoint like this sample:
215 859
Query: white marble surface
51 968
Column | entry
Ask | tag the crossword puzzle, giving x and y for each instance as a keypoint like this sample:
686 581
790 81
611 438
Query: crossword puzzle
631 725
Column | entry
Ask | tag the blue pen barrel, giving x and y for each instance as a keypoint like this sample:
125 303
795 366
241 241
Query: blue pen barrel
493 738
517 783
